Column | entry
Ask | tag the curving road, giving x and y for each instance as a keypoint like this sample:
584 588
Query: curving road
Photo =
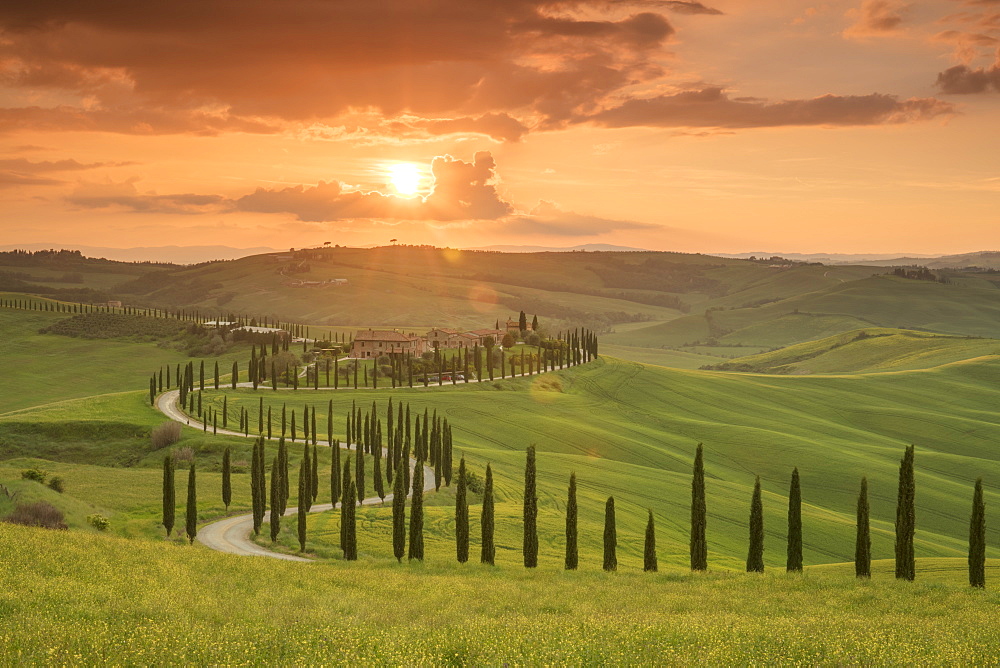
232 534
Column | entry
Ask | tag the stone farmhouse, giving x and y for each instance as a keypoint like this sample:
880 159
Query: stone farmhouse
374 343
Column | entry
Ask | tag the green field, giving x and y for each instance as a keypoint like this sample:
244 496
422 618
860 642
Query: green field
176 605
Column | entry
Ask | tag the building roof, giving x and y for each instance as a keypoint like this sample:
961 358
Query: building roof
446 330
488 332
383 335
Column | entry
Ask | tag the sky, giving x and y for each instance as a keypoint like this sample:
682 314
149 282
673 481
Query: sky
855 126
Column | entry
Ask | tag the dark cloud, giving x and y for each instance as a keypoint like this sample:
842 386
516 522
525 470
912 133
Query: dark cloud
963 80
877 17
23 172
689 7
461 191
124 196
547 219
501 127
712 107
211 65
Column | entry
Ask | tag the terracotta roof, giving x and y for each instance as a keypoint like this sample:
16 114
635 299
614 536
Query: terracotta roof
445 330
383 335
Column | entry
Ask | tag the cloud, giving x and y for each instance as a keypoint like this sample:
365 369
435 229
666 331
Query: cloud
501 127
712 107
963 80
547 219
23 172
124 196
689 7
461 191
876 18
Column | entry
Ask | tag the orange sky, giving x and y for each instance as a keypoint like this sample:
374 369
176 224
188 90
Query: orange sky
729 126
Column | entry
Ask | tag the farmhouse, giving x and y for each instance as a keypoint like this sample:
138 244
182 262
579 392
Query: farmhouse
374 343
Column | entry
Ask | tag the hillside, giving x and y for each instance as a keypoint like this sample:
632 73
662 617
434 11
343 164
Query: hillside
865 350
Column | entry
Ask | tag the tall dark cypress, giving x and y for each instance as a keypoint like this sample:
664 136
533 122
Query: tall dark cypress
227 481
417 514
755 555
610 536
977 538
235 374
283 473
254 488
261 484
191 525
699 547
346 499
905 518
169 502
529 547
351 537
276 492
314 486
377 480
399 517
793 562
488 550
863 541
216 374
572 551
461 516
359 475
307 467
649 549
335 472
300 511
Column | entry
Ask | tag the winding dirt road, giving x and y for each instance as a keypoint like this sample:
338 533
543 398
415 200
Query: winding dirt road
232 534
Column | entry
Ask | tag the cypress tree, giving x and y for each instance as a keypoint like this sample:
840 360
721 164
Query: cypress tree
201 376
649 551
905 524
863 541
977 538
314 483
572 552
377 479
351 537
312 426
236 374
227 483
699 547
225 411
335 473
261 485
283 473
399 517
359 475
293 426
461 516
275 500
793 562
169 503
329 429
346 499
529 546
610 536
301 511
417 514
216 373
191 525
254 495
307 465
755 555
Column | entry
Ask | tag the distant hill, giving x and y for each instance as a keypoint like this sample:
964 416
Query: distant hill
560 249
170 254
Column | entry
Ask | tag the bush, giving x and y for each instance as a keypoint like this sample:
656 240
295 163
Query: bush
98 521
38 514
36 474
183 456
532 339
166 434
56 484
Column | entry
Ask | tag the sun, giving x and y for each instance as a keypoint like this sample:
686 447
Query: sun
405 178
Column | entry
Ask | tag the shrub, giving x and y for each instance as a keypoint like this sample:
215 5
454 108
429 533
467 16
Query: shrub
183 455
37 514
166 434
98 521
36 474
57 484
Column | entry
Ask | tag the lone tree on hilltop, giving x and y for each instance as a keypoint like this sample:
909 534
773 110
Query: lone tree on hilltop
699 548
755 555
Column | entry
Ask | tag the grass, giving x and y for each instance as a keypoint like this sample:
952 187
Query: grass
181 605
